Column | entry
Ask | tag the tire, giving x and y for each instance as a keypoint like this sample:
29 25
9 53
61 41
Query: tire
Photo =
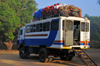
43 55
66 57
63 56
21 53
70 57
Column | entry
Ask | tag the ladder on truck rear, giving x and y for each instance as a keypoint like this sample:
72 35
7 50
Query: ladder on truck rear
84 57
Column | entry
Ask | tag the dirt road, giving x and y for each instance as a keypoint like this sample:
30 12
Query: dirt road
14 60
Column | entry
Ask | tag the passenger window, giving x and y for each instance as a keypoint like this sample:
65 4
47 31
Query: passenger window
39 27
33 28
54 25
46 26
84 26
28 29
87 27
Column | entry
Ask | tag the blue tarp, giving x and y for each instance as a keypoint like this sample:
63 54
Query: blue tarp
38 14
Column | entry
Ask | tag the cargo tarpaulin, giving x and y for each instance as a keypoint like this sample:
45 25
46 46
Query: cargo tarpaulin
58 9
38 14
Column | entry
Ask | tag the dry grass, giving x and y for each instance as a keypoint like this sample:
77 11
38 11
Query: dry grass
8 52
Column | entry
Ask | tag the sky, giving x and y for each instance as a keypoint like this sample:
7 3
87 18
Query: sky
90 7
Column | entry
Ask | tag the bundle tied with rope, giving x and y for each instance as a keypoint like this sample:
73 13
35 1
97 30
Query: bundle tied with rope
58 9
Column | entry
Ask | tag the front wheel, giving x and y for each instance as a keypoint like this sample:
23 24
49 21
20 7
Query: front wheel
22 54
43 55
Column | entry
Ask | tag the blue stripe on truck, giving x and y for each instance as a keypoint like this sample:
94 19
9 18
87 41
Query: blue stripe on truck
82 44
37 42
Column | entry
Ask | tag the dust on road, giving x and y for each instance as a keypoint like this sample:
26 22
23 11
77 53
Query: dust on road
14 60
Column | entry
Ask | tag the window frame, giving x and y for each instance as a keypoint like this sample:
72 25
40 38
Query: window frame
52 26
63 22
86 28
26 29
33 26
46 26
38 28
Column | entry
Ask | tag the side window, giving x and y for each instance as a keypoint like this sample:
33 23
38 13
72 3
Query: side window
87 26
54 25
33 28
28 29
21 32
83 26
39 27
46 26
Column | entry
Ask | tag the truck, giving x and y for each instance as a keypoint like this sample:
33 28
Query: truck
54 37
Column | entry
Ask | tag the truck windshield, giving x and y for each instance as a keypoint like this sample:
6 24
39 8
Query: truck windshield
85 26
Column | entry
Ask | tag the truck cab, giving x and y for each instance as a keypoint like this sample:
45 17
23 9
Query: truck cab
21 36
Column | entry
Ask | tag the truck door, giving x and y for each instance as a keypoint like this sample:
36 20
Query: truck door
85 34
68 33
20 36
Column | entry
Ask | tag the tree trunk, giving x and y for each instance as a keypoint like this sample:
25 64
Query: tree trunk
8 45
0 40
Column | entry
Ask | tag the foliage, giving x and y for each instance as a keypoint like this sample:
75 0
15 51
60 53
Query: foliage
94 29
14 14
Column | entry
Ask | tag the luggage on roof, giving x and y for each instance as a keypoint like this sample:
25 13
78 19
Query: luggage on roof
58 9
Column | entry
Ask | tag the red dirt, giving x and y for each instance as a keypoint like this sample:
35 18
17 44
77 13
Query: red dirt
8 52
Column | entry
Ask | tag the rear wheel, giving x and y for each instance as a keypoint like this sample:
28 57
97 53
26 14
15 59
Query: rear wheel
63 57
66 57
22 54
70 57
43 55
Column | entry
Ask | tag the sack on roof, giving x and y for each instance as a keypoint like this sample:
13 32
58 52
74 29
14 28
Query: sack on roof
38 14
58 9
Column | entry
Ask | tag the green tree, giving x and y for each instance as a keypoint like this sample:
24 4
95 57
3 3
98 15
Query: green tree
27 7
94 30
14 14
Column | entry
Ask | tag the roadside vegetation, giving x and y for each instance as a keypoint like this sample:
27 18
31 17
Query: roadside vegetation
94 30
13 15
